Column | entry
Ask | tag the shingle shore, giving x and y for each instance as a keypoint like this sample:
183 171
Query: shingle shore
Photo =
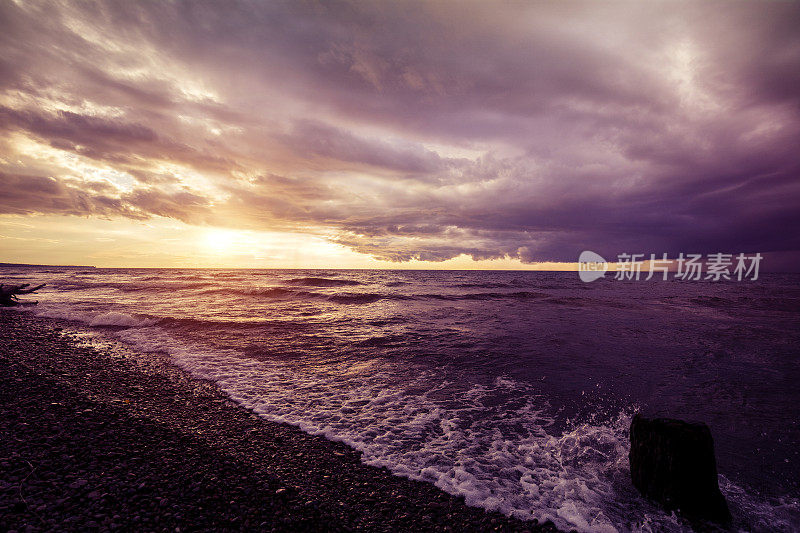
94 437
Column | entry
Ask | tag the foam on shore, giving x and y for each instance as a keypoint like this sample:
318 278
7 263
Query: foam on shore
497 458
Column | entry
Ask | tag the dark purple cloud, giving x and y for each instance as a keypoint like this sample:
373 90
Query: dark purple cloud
411 130
26 194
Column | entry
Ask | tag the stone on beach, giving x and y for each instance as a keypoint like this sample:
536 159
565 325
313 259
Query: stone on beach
672 462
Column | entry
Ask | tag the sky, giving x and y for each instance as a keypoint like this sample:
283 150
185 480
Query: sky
397 134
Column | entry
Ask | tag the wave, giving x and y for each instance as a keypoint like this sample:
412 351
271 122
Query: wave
360 298
263 292
503 295
140 286
484 285
488 443
96 319
113 318
323 282
292 294
385 340
735 304
176 278
364 297
518 295
225 275
493 444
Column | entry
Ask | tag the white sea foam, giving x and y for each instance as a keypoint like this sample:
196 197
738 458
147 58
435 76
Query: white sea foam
777 514
111 318
462 445
120 319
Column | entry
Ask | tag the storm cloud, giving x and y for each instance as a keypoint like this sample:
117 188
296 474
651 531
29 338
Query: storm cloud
414 130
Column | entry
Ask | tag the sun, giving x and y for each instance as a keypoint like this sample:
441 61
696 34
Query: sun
220 241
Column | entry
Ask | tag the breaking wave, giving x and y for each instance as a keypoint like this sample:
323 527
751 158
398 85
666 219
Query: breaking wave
486 442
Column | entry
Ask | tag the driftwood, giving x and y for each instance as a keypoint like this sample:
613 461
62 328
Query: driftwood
8 294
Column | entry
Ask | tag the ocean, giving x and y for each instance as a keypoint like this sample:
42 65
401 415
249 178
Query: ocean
513 389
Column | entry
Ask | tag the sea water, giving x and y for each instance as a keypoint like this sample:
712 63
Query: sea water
513 389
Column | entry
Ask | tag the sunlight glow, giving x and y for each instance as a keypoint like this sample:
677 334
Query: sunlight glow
222 241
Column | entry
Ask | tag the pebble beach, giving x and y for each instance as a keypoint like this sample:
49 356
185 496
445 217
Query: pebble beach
94 437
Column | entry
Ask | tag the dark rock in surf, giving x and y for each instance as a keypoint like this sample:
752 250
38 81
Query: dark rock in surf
673 463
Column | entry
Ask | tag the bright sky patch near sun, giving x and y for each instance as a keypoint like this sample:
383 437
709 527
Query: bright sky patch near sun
402 135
